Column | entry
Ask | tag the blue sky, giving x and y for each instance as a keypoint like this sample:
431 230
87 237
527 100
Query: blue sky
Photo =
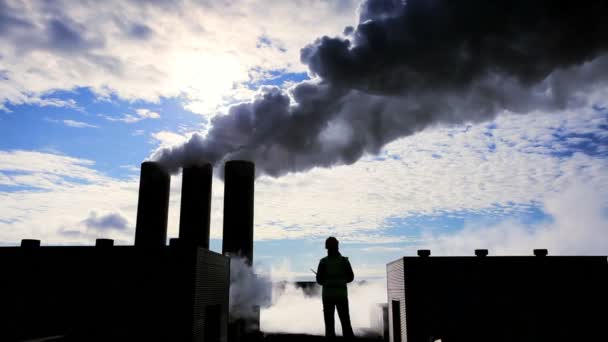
77 119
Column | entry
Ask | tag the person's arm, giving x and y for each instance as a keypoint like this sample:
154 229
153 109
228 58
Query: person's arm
321 273
350 276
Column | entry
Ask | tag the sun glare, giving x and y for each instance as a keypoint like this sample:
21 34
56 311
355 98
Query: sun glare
207 79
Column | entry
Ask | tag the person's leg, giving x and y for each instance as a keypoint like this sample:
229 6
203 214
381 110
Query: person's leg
328 316
343 313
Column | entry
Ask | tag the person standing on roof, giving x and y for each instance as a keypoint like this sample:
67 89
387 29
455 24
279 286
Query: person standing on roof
333 273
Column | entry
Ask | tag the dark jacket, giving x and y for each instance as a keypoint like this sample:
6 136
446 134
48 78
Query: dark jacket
333 273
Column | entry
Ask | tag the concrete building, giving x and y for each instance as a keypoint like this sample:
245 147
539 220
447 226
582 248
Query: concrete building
146 292
499 299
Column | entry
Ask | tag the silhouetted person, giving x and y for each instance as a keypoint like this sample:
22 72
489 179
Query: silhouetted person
333 273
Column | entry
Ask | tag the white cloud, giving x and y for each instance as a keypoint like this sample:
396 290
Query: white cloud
382 249
203 52
146 113
32 169
579 226
140 114
168 138
131 168
78 124
18 97
60 193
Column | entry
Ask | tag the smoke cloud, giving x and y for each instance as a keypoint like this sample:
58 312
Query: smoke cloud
406 66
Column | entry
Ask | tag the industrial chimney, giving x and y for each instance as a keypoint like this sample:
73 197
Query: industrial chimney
239 176
195 209
153 206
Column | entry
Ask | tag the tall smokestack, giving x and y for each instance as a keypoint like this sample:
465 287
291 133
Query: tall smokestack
239 177
153 206
195 209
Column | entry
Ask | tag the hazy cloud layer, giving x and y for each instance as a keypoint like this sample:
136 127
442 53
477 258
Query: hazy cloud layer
405 67
500 169
129 49
578 226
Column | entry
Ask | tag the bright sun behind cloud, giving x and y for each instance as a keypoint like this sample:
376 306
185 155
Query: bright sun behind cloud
206 78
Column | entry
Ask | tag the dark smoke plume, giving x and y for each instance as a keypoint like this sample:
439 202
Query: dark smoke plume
409 65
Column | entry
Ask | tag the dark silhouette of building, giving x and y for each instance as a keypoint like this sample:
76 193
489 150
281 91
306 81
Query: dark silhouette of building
146 292
500 299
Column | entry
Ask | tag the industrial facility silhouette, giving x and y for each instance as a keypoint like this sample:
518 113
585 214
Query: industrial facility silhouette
149 291
179 292
480 298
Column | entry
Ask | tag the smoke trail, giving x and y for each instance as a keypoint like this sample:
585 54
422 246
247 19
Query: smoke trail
406 66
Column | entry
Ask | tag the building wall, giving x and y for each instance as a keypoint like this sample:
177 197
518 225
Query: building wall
396 292
500 299
212 285
105 294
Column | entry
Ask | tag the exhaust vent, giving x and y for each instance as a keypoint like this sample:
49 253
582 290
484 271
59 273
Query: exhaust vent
481 252
30 243
424 253
104 243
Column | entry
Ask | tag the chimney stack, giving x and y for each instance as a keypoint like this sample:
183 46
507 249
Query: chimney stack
153 206
195 211
541 252
239 176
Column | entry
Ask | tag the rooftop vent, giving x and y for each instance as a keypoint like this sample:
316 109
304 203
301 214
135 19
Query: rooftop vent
104 243
28 243
424 253
481 252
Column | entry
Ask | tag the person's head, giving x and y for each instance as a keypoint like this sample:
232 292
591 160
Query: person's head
331 244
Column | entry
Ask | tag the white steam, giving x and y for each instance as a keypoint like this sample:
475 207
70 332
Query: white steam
248 291
285 308
296 312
